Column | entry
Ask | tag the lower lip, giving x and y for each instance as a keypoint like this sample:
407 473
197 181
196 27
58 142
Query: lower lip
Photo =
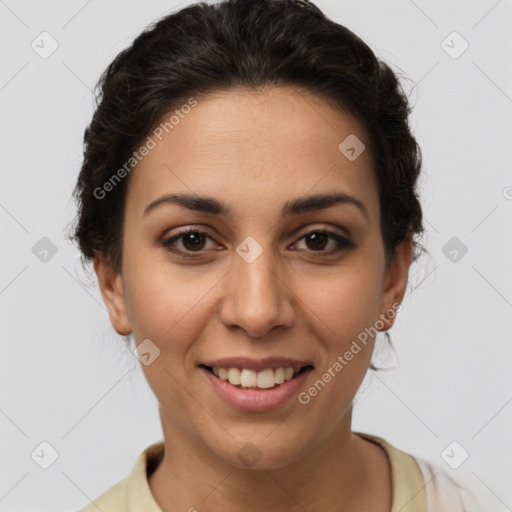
255 400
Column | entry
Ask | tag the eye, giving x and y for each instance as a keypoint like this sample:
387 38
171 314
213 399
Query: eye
318 240
191 241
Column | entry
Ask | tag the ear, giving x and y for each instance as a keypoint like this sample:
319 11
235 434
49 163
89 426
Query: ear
395 282
111 286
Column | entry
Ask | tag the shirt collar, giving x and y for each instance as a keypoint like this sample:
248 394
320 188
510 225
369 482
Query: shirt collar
408 487
138 492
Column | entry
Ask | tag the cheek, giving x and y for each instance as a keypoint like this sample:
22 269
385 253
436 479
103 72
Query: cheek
344 313
346 301
165 303
168 307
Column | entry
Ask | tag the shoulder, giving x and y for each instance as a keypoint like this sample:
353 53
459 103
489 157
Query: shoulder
443 490
420 485
133 492
113 500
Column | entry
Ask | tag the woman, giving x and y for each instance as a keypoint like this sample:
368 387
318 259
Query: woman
248 199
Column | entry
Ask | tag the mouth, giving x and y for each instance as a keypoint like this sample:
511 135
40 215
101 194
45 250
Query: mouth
248 379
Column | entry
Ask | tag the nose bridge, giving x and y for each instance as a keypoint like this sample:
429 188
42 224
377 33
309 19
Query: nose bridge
256 299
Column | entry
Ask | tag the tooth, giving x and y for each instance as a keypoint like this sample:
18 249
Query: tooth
233 375
266 379
248 378
288 373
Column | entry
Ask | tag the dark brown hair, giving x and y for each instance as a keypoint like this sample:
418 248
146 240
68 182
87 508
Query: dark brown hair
249 43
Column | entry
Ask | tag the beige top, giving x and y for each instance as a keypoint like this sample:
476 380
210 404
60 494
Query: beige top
417 486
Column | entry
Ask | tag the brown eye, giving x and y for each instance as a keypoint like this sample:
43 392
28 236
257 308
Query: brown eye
193 241
187 243
318 241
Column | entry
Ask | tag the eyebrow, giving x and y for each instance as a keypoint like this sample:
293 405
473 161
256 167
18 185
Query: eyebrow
293 207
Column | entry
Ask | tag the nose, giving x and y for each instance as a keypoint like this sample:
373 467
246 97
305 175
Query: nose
257 297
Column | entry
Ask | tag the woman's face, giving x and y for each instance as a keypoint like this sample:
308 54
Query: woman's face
277 273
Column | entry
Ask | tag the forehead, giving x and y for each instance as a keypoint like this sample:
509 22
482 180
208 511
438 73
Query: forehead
253 146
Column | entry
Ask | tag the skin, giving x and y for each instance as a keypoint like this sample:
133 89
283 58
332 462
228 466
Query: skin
254 151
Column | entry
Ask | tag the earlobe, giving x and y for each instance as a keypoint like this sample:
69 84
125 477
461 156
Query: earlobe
111 286
395 282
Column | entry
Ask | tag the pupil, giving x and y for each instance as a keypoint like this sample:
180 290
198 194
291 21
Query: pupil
195 239
317 238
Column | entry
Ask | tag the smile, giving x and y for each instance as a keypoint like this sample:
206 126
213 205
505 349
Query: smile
265 385
245 378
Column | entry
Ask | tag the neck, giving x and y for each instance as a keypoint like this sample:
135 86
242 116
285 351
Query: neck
344 470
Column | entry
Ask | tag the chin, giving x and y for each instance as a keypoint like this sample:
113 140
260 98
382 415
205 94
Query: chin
261 452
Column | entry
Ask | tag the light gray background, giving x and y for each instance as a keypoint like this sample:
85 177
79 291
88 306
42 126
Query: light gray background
65 377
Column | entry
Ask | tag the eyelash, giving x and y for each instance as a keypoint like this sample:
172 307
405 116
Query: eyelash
343 243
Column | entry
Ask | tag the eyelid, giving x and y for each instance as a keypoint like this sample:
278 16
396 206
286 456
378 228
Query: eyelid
323 228
167 242
343 241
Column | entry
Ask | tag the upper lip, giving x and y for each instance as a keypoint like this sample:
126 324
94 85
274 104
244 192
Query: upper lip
257 365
